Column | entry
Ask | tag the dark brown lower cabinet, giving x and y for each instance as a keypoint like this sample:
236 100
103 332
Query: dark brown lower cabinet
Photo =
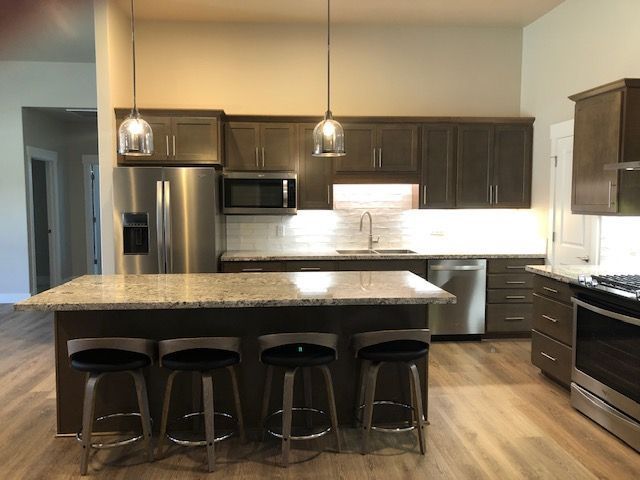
552 334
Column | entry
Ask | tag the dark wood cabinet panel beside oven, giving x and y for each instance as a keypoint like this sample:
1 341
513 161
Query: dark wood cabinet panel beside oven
606 131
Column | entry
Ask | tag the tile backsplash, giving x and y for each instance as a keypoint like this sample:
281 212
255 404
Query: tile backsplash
620 241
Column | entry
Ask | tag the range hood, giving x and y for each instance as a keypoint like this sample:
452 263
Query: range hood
622 166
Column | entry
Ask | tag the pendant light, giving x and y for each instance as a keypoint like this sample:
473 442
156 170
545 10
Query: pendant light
135 137
328 136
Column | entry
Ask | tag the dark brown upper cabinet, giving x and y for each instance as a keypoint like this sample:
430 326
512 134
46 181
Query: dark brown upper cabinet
179 138
494 166
261 146
606 131
390 148
438 174
315 174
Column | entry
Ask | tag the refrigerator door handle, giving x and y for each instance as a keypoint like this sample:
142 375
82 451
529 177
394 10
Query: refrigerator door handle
160 225
167 226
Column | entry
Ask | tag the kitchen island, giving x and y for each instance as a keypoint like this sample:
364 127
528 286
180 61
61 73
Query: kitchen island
245 305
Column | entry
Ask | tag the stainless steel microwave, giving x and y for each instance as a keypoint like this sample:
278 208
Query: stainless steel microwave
256 193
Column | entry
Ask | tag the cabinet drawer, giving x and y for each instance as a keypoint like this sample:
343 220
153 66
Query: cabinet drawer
552 357
511 265
550 288
503 280
237 267
509 318
509 296
310 266
553 318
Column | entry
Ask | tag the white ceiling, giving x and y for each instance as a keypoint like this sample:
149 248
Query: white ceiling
516 13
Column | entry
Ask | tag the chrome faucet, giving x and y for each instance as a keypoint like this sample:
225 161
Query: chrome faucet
371 240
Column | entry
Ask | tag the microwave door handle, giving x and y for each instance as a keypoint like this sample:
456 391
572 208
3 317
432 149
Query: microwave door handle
607 313
160 225
285 193
167 226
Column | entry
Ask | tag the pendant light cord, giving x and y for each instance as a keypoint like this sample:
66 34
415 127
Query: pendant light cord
133 55
328 55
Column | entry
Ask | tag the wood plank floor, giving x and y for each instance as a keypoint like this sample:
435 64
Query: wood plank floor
492 416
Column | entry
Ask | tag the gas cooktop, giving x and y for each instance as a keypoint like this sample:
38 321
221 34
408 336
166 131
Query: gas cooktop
623 285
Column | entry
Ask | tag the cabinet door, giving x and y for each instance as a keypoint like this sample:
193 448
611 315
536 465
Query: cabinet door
161 128
314 175
278 146
359 143
475 153
512 166
195 140
596 141
397 148
438 175
242 146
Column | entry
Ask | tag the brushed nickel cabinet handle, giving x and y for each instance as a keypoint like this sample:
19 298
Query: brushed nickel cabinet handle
262 157
514 319
609 201
380 157
424 194
551 319
515 267
252 269
549 289
546 355
309 269
514 282
257 158
496 190
515 297
328 194
490 194
173 140
166 137
373 161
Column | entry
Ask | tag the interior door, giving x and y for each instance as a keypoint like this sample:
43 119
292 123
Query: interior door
573 234
190 219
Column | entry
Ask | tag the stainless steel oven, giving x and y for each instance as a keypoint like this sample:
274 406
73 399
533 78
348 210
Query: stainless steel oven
253 193
606 364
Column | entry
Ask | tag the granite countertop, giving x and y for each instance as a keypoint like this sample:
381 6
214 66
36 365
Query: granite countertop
237 290
265 256
570 273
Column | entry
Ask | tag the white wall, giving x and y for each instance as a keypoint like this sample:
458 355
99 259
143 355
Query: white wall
29 84
579 45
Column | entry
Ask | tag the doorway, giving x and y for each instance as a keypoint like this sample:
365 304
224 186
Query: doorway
43 219
574 238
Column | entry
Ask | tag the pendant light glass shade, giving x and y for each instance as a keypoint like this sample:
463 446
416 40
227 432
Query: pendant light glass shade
328 136
135 137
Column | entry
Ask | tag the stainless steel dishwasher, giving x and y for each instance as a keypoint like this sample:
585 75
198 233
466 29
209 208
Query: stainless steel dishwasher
467 280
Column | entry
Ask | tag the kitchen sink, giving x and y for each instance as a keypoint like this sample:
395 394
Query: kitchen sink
394 250
356 252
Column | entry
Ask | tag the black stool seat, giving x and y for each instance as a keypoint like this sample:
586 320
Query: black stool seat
298 355
200 359
394 351
100 360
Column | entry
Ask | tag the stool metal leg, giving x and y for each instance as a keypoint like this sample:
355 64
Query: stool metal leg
266 397
287 413
88 408
165 411
207 400
308 395
326 373
417 395
238 404
426 395
370 392
364 368
143 405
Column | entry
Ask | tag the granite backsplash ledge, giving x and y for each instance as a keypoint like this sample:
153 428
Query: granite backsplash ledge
309 230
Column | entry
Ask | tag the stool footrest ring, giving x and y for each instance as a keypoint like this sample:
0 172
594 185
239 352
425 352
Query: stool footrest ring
410 425
298 437
201 443
117 443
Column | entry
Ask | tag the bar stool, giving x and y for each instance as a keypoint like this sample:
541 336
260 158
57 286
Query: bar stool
99 357
391 346
293 352
203 355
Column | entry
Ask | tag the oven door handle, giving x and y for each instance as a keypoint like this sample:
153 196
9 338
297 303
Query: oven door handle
607 313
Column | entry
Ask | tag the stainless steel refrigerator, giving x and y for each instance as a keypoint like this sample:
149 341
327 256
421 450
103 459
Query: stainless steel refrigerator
167 220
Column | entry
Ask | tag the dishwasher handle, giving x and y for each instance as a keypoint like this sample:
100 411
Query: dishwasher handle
458 268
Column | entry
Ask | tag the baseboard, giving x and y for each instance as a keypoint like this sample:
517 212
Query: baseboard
13 297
